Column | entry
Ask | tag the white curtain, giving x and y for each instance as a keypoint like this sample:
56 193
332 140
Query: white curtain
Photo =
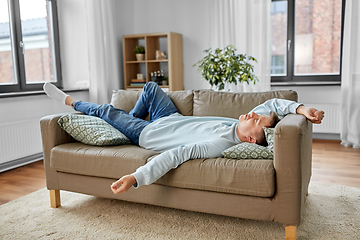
246 25
350 80
103 49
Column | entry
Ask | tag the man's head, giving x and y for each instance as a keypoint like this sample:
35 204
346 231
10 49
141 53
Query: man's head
250 128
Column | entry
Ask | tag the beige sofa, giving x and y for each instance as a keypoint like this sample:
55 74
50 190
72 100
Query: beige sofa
271 190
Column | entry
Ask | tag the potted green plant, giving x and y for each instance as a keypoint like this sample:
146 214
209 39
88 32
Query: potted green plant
140 53
225 66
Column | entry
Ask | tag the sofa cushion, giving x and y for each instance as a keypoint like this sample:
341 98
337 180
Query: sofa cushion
91 130
126 100
108 161
249 177
245 177
232 105
183 101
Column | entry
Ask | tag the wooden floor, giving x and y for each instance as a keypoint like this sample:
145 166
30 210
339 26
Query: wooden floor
335 164
21 181
332 164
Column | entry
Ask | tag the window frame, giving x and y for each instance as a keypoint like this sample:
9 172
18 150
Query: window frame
290 78
17 51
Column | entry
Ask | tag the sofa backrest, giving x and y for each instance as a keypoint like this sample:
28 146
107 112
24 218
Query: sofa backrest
229 104
206 102
126 100
183 101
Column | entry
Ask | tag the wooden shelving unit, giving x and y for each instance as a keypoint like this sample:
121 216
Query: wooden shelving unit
168 42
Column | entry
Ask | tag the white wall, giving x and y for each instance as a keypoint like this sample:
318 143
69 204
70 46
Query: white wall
187 17
33 107
316 94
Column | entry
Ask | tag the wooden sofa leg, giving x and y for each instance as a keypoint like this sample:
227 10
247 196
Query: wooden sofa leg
290 233
55 198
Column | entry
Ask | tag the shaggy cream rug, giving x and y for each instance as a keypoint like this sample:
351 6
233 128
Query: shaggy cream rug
331 212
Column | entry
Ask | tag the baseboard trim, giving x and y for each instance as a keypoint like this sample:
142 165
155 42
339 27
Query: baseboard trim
327 136
326 141
20 162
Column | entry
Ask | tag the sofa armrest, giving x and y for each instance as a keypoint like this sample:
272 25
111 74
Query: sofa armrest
52 135
292 163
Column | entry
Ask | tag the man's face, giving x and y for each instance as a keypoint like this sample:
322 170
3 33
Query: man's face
251 124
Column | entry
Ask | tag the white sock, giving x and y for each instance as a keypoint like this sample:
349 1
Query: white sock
54 93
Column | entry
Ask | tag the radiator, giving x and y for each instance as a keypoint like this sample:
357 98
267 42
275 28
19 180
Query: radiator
331 122
19 139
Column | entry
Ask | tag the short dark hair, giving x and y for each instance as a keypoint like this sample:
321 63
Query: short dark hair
261 140
274 119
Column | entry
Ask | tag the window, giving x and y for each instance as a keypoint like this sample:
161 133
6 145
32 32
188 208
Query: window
278 64
29 52
306 41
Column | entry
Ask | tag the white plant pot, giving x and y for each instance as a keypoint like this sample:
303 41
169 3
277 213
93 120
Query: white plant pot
140 57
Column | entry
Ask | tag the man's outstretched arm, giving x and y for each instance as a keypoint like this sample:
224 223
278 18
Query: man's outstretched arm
314 115
283 107
123 184
166 161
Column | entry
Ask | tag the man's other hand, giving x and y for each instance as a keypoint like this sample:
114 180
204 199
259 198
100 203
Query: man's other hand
314 115
123 184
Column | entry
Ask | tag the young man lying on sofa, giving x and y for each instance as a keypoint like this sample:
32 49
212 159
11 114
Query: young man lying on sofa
181 138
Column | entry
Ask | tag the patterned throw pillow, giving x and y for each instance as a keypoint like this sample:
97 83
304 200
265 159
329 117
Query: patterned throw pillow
248 151
251 150
92 130
269 135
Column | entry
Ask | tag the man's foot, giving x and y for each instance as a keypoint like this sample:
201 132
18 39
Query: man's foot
55 93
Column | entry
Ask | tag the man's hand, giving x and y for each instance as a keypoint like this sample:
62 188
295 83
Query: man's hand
312 114
123 184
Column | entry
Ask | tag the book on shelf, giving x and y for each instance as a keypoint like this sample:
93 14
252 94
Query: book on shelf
138 80
137 84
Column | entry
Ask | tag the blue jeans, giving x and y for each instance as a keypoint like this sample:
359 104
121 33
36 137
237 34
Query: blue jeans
152 101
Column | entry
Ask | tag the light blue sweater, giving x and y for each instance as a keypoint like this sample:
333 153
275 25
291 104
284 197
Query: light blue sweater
181 138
